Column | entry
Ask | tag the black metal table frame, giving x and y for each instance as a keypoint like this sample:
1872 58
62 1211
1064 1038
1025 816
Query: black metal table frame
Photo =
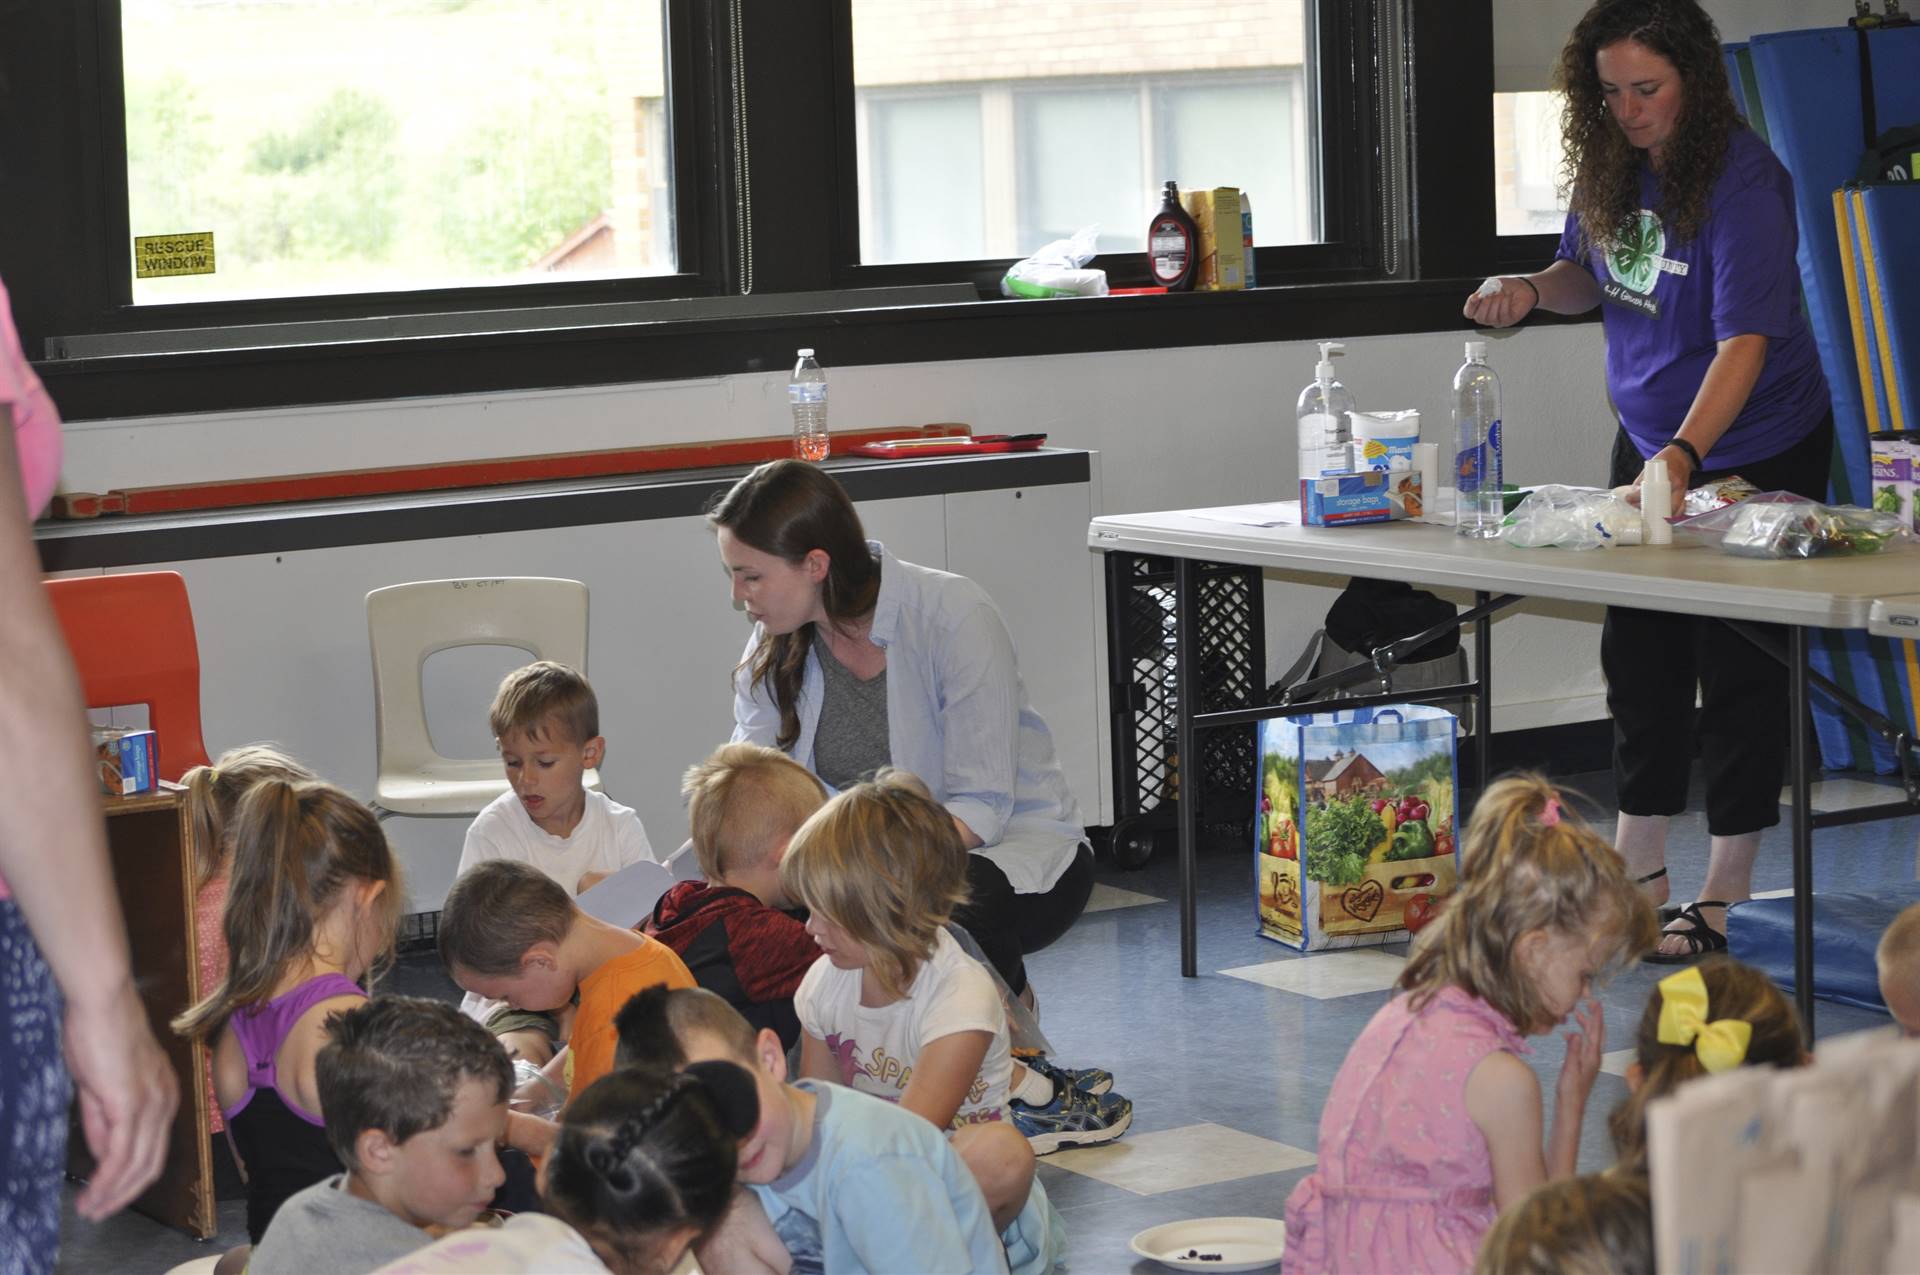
1479 691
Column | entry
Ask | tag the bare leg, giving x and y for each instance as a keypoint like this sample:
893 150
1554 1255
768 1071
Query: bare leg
1729 880
1642 842
745 1242
1001 1161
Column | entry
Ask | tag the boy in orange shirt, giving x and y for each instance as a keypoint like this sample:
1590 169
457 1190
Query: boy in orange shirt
510 932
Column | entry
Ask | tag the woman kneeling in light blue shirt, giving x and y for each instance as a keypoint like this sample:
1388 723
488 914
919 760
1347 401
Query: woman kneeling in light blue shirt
859 660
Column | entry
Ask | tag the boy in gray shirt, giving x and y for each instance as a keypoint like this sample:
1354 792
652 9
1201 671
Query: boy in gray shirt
414 1094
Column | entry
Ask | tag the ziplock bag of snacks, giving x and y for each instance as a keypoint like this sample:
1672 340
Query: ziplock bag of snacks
1781 524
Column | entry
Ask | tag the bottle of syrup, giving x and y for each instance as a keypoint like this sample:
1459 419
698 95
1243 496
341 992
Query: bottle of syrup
1173 244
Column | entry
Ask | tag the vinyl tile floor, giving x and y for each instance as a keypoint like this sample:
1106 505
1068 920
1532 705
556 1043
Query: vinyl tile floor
1228 1071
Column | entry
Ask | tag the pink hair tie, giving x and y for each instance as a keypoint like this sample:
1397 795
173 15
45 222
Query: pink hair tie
1550 813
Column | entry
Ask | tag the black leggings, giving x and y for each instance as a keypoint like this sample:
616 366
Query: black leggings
1654 660
1007 925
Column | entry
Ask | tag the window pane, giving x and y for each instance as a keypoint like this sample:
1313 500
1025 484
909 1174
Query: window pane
1080 113
926 203
370 145
1526 163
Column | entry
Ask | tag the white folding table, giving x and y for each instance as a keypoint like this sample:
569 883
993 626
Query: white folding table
1821 593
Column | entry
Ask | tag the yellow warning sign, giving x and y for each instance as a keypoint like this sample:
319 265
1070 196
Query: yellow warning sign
156 256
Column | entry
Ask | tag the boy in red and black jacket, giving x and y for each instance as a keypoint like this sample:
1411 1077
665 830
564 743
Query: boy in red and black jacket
744 804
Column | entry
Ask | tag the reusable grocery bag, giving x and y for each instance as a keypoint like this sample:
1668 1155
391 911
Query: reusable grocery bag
1355 831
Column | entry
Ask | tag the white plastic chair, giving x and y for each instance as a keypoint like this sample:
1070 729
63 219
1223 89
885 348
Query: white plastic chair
409 623
685 864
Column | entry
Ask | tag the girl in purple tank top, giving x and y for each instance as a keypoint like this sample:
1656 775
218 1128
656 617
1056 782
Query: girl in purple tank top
312 911
1433 1123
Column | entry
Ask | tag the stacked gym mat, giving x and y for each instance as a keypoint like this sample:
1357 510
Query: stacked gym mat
1802 91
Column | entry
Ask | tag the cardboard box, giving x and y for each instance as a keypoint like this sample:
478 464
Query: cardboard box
1216 213
128 760
1362 496
1893 479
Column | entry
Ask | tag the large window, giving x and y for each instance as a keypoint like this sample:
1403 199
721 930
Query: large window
1526 163
332 146
987 127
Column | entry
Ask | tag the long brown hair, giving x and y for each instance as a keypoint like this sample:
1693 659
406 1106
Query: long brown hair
213 792
1734 990
789 508
1601 1224
296 847
1530 862
1601 171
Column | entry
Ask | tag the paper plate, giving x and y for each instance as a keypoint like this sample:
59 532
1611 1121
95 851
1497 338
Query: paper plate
1236 1243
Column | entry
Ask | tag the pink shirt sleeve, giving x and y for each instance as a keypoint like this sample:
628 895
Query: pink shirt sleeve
36 425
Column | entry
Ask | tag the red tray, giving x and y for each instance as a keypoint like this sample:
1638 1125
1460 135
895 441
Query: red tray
976 445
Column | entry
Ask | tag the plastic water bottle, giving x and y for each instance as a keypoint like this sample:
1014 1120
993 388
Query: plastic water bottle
807 393
1476 433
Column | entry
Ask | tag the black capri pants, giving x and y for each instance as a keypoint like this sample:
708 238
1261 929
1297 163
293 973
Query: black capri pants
1653 662
1007 925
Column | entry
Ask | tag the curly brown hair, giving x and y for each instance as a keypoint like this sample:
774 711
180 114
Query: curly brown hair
1601 172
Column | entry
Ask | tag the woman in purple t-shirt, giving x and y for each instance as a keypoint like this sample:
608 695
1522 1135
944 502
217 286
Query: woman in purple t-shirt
1682 228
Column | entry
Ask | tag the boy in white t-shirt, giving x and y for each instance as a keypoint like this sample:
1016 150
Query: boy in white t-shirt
546 723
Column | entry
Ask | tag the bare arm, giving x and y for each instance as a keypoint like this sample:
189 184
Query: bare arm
943 1073
1563 288
1723 394
816 1060
53 854
1503 1101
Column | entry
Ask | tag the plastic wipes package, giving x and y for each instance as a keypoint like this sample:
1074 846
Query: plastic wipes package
1057 269
1781 524
1556 517
1718 494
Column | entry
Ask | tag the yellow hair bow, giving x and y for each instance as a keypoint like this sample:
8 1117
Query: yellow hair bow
1720 1044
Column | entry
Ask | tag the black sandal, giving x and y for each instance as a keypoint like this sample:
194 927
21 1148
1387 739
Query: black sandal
1668 912
1702 939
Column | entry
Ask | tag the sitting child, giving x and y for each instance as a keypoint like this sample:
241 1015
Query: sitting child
1899 960
842 1181
212 793
1601 1224
1432 1126
546 723
1709 1017
509 932
743 805
312 911
897 1009
416 1099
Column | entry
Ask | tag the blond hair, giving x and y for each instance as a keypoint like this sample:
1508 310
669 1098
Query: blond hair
1901 942
1734 991
541 694
883 862
213 792
1601 1224
743 801
297 845
1530 863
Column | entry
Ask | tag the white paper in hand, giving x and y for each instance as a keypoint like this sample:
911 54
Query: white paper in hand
627 897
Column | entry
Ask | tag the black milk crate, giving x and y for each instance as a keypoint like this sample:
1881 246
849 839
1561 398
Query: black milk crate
1148 777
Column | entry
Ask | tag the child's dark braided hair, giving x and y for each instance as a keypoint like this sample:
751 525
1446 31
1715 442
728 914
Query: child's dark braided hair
644 1152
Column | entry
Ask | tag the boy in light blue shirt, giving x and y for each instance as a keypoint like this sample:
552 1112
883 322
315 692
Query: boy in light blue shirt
841 1180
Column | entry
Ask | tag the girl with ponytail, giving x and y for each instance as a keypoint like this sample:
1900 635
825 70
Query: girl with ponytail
312 910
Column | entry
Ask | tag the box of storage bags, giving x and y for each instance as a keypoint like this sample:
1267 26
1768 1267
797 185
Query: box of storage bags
1355 827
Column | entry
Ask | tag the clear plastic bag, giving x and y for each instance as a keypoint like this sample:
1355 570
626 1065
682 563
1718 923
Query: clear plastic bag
1572 518
1057 269
535 1093
1782 524
1718 494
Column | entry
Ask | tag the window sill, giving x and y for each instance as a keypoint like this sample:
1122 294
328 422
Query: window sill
757 334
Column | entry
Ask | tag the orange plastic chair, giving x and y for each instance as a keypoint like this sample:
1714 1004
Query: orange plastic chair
132 640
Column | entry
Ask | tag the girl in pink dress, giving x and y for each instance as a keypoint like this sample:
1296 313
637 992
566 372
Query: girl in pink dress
1434 1122
212 793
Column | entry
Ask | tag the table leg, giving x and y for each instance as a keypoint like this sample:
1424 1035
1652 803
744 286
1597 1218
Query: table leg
1799 753
1186 694
1483 693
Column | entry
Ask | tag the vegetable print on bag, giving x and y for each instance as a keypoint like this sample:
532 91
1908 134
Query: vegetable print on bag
1355 831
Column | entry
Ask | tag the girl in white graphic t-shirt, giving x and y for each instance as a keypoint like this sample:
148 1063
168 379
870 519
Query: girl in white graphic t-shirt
897 1010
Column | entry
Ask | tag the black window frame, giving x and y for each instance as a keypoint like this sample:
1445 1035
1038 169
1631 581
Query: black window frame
804 233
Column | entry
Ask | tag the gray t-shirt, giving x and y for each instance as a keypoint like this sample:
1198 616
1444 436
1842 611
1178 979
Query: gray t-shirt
325 1230
851 740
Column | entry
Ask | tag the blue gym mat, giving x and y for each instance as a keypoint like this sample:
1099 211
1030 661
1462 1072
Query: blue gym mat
1846 930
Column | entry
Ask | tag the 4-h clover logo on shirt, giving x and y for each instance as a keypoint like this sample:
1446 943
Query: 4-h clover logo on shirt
1636 261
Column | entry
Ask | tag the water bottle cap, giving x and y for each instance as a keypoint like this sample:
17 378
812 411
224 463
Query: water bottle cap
806 354
1476 349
